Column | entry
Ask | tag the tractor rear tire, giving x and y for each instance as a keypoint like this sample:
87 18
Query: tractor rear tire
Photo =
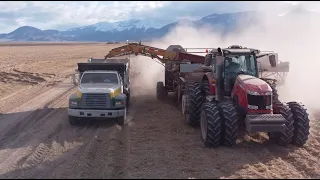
210 125
72 120
230 123
284 138
193 103
161 91
301 124
206 88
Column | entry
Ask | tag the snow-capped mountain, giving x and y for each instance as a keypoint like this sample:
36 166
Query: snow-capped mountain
145 29
125 25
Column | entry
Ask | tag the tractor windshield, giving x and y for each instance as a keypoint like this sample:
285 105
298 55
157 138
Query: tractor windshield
240 63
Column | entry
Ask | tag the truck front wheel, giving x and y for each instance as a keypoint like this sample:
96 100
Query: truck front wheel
121 120
72 120
128 100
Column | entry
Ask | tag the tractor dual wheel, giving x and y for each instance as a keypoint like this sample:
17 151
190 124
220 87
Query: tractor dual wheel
210 125
192 101
301 124
285 137
219 124
230 125
161 91
206 88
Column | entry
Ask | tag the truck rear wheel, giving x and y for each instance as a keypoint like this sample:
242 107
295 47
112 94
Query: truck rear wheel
72 120
210 125
301 124
230 123
161 91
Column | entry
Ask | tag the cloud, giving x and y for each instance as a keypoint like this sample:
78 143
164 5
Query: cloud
296 40
64 15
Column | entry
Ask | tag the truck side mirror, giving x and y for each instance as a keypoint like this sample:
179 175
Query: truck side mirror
75 80
272 60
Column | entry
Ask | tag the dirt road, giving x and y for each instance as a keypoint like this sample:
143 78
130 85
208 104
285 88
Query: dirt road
36 140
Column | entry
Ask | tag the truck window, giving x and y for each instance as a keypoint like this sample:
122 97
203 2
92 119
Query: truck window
111 78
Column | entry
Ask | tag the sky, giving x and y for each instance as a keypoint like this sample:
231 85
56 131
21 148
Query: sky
65 15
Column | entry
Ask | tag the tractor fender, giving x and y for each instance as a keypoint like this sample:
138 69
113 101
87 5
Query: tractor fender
208 77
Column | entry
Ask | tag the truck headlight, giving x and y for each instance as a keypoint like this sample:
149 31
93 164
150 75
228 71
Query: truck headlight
119 103
73 103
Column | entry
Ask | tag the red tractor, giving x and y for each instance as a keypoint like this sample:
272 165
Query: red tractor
230 94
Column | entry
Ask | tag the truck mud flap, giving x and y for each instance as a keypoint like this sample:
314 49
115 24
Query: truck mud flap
265 123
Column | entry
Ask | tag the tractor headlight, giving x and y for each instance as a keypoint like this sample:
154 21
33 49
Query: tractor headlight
253 93
268 93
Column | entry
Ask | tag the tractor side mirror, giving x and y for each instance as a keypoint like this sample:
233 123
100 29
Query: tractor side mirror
272 60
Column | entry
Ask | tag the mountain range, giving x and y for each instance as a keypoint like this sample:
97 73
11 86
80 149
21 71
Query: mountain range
135 30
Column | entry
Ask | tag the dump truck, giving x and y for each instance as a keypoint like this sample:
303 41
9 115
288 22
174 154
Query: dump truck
103 90
222 99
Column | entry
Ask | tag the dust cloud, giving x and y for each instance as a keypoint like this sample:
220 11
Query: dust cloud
293 36
147 72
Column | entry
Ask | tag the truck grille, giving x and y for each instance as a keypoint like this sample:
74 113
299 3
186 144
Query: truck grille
260 101
96 100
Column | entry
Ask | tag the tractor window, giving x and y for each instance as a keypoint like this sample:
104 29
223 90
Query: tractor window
237 63
111 78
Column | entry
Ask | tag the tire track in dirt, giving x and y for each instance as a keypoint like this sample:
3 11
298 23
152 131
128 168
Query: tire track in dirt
25 133
100 144
162 146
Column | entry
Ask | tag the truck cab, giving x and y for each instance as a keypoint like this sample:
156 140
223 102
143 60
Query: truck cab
101 92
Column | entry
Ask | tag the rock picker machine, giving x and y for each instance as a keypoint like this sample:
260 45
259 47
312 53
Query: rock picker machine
225 90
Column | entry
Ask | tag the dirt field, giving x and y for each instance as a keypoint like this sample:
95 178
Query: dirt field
36 140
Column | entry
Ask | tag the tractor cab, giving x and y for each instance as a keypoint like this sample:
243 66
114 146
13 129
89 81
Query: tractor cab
234 65
227 64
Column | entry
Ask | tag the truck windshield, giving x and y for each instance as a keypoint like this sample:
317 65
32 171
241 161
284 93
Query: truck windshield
110 78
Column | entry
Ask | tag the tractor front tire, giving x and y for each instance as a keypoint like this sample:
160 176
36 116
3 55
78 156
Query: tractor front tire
210 125
301 124
230 123
284 138
161 91
193 103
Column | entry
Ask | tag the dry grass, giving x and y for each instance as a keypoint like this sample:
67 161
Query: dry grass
25 65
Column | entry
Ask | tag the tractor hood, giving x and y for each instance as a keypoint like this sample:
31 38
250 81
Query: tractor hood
253 85
98 88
